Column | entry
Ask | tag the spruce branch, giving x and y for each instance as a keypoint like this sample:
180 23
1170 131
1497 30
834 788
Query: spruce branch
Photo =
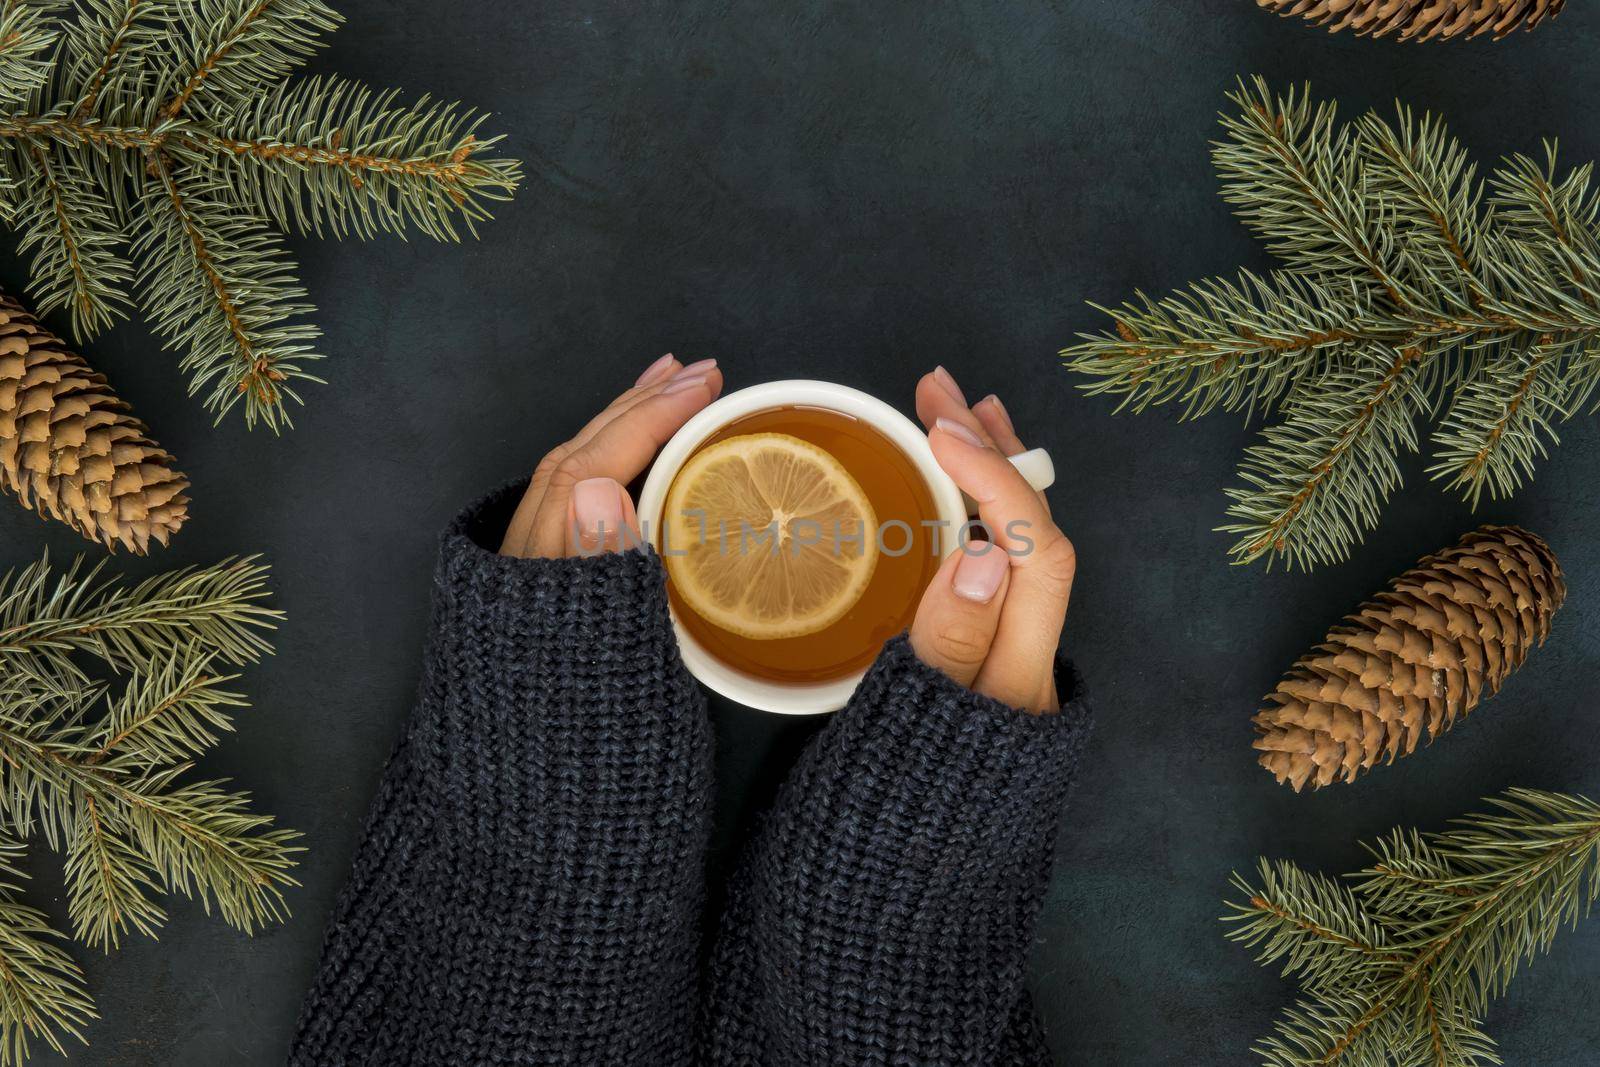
46 617
1400 965
1501 418
227 294
1293 174
99 768
229 50
171 141
74 237
379 168
1233 345
107 44
28 32
1409 286
1331 459
42 994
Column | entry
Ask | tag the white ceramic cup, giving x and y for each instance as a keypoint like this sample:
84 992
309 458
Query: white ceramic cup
953 508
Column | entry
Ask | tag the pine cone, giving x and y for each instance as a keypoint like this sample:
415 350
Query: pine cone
1443 637
68 448
1421 20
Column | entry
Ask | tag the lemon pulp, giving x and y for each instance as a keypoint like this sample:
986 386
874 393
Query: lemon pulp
768 536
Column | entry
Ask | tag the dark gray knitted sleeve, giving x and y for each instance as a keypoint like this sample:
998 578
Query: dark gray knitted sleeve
885 910
528 889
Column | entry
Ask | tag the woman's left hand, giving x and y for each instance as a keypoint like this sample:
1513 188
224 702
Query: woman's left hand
576 503
991 619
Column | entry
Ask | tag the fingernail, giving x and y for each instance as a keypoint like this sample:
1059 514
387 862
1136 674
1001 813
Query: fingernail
1005 416
978 575
958 431
654 372
700 369
678 385
948 384
597 507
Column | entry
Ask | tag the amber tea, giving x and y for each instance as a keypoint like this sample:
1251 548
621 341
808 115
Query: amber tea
797 541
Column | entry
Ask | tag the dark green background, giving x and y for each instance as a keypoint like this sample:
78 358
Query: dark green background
855 191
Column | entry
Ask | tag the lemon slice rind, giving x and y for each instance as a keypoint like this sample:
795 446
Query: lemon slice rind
719 550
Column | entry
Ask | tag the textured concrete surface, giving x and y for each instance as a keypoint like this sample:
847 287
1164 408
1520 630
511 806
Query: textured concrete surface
856 191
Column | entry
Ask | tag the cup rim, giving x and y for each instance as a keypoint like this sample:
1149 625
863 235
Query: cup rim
780 697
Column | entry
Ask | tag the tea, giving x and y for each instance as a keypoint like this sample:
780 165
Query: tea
907 556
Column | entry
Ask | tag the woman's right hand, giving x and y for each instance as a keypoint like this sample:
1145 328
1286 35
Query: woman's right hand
992 619
576 503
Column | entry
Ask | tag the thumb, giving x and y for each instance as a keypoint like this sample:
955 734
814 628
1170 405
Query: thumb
960 611
600 518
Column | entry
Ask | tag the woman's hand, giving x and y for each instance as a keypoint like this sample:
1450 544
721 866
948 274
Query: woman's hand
992 619
576 503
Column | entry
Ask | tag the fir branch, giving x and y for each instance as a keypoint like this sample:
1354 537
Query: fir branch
109 883
1315 925
28 33
208 845
74 236
172 144
106 44
232 49
1410 286
227 294
1527 869
1496 429
1425 177
167 714
1535 202
42 994
1234 345
1293 174
1334 1028
198 839
377 168
100 770
1454 916
215 609
62 127
1327 469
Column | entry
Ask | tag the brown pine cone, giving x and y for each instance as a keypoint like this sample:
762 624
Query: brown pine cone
70 450
1442 638
1421 20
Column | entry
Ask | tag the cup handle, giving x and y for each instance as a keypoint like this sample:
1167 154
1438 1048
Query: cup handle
1035 465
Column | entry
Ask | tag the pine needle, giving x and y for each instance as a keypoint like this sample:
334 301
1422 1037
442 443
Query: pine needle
1409 286
1399 966
171 141
98 768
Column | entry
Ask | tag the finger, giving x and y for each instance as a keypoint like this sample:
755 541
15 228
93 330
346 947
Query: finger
1011 511
650 383
939 397
655 378
996 421
663 375
620 450
960 612
1019 669
600 518
520 529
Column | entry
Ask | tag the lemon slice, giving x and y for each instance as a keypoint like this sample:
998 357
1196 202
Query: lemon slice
767 536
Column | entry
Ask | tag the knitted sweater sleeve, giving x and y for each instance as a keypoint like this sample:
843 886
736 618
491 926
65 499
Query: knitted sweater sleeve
529 885
884 912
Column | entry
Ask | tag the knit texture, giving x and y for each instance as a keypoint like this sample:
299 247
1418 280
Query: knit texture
529 886
885 909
